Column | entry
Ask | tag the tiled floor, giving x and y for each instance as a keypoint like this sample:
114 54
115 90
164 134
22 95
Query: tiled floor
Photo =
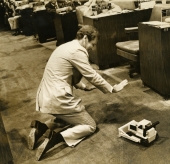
22 62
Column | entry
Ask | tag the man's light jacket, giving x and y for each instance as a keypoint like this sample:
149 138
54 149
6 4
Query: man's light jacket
55 92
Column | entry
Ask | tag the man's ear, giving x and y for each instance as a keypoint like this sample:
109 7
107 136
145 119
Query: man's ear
85 40
85 37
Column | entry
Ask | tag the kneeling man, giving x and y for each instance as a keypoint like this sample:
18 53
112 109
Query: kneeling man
67 64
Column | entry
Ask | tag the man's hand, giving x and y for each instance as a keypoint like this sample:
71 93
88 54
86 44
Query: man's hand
120 86
89 88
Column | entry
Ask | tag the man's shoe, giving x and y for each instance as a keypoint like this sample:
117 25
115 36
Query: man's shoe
38 129
51 139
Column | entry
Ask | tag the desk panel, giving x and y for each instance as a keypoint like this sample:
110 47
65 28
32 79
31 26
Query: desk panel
66 27
27 21
155 58
44 26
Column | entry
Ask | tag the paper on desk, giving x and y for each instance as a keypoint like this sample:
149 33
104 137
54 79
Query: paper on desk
39 8
157 24
164 26
154 23
104 14
24 7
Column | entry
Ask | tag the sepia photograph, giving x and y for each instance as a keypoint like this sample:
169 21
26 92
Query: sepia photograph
84 81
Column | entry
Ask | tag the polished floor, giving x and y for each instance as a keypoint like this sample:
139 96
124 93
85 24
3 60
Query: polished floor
22 62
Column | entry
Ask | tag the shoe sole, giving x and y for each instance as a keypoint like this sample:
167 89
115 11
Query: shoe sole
31 139
41 149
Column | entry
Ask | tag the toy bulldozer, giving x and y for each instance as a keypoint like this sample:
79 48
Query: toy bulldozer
143 132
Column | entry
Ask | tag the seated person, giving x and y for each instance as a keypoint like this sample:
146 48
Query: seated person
8 12
51 7
76 3
14 19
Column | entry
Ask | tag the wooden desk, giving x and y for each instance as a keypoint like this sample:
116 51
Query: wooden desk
111 29
154 45
66 27
44 25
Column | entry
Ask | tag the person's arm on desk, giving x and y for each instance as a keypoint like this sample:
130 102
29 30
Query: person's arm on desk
50 10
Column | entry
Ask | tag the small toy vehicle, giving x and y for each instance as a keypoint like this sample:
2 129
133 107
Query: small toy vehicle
142 132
